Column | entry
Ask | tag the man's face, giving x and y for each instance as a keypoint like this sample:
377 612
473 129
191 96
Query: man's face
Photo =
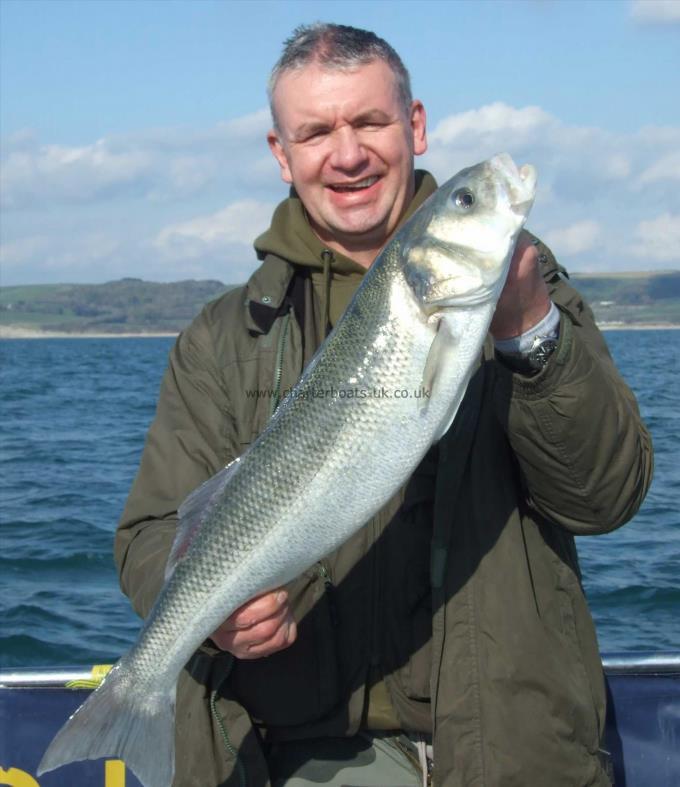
346 143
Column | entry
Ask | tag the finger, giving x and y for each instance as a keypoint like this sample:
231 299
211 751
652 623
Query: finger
525 255
240 645
282 638
261 631
238 640
257 609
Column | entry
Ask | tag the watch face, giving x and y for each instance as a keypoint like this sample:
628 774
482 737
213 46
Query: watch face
541 352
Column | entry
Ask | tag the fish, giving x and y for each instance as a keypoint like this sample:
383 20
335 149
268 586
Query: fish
382 389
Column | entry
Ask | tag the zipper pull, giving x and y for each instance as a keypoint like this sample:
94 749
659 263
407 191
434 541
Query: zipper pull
329 588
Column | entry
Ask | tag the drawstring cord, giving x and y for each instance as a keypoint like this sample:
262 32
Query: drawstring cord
327 259
228 745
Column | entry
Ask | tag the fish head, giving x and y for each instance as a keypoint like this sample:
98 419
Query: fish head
456 249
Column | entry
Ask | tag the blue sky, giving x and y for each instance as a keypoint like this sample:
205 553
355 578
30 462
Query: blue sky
132 131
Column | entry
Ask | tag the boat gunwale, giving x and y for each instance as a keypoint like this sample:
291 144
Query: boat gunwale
613 664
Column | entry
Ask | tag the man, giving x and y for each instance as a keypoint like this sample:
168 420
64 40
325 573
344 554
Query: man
451 633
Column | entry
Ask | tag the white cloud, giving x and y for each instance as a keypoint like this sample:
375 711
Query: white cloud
238 223
594 186
616 166
576 238
256 124
492 119
177 203
159 165
665 168
662 12
70 258
14 253
658 239
32 171
528 132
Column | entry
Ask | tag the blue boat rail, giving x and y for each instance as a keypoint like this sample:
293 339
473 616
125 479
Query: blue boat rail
641 663
613 663
641 736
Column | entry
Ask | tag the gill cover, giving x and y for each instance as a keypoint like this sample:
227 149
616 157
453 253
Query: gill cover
459 250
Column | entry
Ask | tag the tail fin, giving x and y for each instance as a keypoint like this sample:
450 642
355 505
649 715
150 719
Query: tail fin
119 720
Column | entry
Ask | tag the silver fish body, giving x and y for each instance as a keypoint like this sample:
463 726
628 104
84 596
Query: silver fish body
385 385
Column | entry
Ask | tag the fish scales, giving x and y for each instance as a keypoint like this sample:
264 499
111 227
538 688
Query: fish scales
347 437
374 350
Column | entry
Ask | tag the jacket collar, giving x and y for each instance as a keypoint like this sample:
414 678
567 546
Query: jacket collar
266 293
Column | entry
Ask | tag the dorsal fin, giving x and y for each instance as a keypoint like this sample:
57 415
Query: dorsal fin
192 513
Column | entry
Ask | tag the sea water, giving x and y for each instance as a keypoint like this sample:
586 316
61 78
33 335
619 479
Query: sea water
74 414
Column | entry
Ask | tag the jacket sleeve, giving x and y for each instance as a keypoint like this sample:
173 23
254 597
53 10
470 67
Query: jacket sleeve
186 444
583 451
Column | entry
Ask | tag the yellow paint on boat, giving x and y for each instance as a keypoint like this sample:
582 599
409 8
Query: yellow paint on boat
14 777
114 773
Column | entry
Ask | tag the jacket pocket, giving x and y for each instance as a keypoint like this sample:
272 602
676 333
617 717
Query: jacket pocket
299 684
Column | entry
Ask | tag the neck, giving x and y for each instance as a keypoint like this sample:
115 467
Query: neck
363 249
363 256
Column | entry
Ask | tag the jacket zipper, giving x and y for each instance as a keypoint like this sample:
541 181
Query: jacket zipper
375 581
278 369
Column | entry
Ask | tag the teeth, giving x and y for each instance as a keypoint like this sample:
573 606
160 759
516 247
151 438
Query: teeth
362 184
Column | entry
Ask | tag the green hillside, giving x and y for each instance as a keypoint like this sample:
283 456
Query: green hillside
125 306
632 298
137 306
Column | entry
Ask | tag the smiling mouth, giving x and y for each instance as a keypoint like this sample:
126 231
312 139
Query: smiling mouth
343 188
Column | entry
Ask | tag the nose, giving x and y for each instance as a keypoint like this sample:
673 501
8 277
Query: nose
348 152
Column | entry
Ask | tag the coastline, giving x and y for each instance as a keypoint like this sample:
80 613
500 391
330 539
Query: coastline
18 332
643 326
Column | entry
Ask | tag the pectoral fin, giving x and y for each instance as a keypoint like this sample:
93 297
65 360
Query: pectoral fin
441 364
442 344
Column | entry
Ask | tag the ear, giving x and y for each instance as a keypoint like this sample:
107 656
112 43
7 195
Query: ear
418 122
277 149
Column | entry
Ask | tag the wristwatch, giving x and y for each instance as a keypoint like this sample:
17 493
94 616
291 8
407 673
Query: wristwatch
531 362
541 350
529 352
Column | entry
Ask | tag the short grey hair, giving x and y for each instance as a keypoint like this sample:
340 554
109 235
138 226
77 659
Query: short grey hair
337 47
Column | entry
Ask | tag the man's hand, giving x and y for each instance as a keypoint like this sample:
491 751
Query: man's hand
524 301
260 627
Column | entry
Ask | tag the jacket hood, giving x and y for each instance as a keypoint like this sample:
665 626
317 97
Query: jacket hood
291 237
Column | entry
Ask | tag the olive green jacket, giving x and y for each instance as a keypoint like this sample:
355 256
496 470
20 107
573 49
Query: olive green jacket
461 597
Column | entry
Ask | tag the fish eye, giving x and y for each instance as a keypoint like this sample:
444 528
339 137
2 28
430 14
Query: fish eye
464 198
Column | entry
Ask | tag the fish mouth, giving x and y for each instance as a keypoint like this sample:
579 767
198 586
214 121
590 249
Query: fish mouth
357 185
528 176
520 182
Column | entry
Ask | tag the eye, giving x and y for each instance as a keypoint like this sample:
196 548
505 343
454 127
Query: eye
464 198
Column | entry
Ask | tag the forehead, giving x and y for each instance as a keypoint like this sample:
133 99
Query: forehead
319 92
